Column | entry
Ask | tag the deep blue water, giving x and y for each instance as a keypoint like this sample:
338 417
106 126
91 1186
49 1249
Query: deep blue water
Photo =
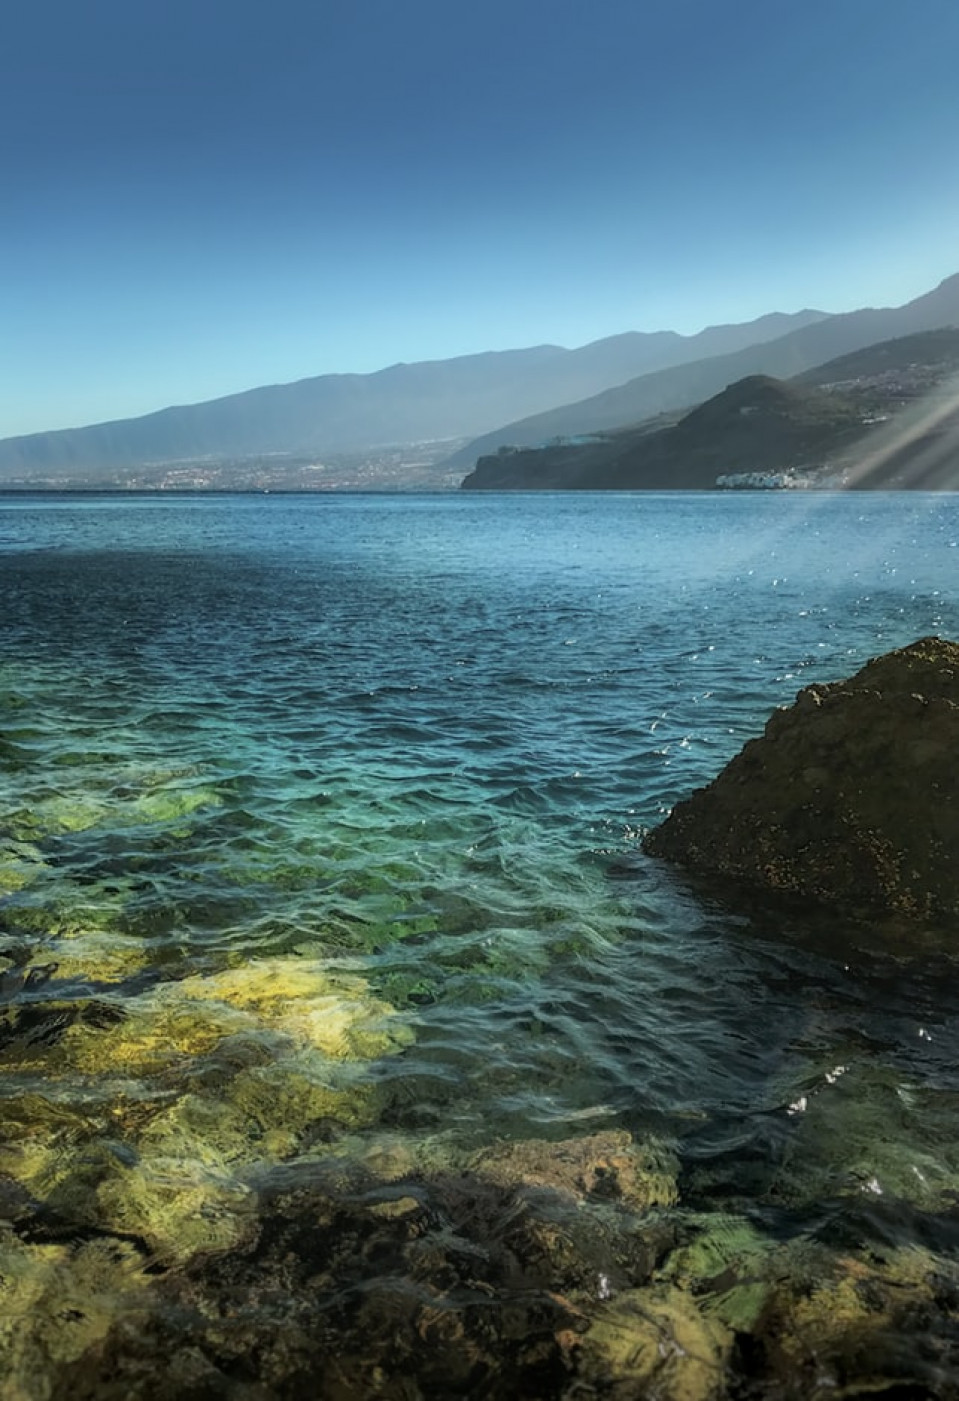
366 775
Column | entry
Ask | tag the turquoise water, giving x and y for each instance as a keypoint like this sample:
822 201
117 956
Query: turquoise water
319 843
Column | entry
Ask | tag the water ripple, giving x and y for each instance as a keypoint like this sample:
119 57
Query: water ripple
402 778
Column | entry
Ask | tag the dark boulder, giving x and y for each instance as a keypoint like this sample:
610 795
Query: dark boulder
849 798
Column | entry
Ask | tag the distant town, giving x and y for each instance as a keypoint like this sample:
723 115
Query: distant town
399 467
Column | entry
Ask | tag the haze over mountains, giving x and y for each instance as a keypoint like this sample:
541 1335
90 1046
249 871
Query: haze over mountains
444 399
886 416
684 386
537 393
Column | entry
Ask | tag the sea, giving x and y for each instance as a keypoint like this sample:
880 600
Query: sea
326 938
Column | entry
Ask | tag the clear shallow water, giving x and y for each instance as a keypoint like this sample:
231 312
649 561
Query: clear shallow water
319 841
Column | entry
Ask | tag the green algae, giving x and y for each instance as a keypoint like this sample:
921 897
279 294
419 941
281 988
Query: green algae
183 1188
261 1114
653 1343
51 815
57 909
181 1207
275 1049
105 796
94 955
21 862
172 1173
167 805
286 1002
332 1011
18 871
822 1321
728 1266
489 1246
38 1137
284 1108
58 1303
866 1324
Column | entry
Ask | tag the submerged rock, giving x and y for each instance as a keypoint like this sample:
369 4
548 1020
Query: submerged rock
507 1272
654 1342
602 1166
143 1118
477 1276
850 797
58 1304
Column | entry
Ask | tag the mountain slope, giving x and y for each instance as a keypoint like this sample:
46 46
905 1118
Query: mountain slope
885 416
404 403
682 386
752 425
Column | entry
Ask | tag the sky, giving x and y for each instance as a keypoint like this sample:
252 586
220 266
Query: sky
201 196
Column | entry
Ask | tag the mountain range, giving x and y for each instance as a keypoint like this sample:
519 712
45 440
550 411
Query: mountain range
683 386
537 393
442 399
885 416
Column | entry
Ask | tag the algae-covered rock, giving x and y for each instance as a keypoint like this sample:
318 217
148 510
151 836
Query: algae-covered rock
20 865
38 1137
850 797
609 1166
156 1034
179 1197
287 1002
53 814
177 1178
155 1108
291 1096
728 1267
181 1207
94 955
332 1282
867 1324
653 1343
171 804
811 1321
57 1304
302 998
177 1181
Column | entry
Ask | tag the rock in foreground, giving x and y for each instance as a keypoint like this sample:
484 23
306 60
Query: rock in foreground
850 797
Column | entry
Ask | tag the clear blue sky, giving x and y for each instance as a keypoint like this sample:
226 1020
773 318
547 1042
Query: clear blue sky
199 196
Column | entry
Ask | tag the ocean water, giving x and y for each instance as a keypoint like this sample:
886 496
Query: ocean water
319 849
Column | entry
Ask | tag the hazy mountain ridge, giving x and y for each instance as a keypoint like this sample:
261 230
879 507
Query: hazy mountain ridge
404 403
885 416
682 387
285 436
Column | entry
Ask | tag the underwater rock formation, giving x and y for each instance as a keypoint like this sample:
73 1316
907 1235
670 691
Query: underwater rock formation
445 1282
850 797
